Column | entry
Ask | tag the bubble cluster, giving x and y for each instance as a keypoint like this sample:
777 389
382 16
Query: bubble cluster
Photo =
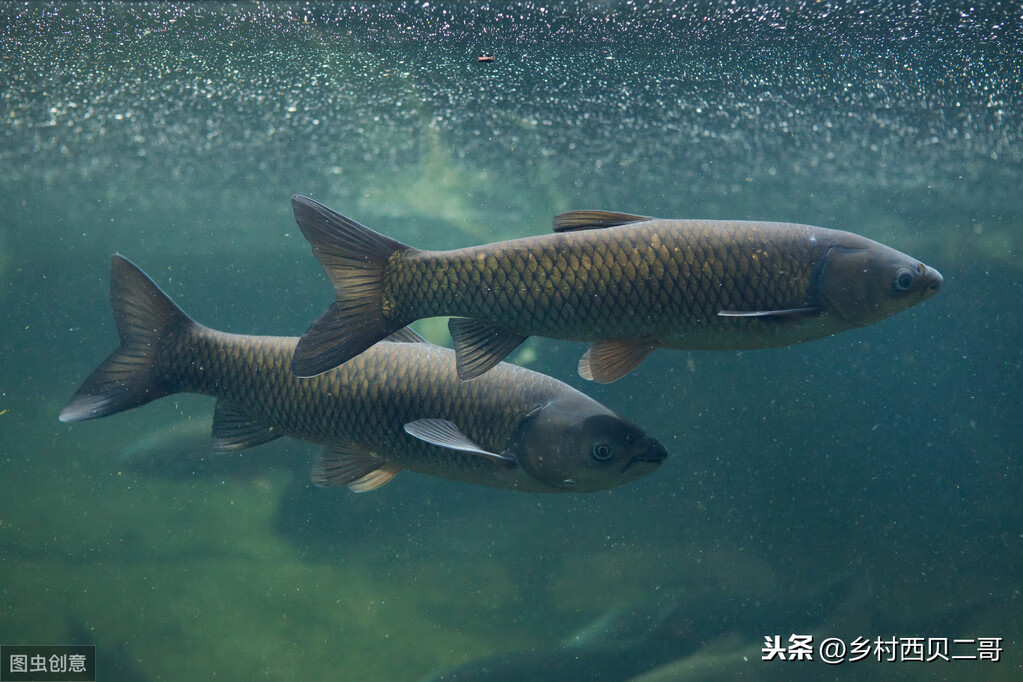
695 109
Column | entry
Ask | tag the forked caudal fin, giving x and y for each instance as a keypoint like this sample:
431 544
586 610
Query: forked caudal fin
145 318
354 258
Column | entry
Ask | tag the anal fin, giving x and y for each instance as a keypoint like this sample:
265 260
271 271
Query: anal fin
348 464
234 429
373 479
478 346
406 335
610 360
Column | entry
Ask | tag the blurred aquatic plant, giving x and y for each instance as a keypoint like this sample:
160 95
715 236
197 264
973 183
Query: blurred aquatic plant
983 244
468 199
436 188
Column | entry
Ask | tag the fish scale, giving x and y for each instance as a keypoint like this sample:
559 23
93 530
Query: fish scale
366 401
626 283
609 290
399 406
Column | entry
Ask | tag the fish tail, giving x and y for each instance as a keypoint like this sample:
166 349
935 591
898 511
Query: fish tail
355 259
146 320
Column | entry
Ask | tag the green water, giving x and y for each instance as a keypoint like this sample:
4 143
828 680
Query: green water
175 134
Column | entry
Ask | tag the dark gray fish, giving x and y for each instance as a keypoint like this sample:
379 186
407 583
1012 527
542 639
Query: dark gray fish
400 406
181 450
627 283
638 637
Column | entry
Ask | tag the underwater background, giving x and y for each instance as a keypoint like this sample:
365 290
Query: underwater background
885 460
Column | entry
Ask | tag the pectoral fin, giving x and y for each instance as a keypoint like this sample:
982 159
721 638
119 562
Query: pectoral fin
234 429
348 464
445 434
478 346
572 221
608 361
790 313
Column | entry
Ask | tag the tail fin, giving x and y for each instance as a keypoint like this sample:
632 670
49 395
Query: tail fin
130 377
354 258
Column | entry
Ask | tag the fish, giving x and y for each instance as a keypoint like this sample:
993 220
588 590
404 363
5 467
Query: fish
181 450
628 284
166 442
642 635
742 657
399 406
736 658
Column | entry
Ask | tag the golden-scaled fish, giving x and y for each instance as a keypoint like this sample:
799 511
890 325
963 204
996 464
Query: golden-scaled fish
398 406
626 283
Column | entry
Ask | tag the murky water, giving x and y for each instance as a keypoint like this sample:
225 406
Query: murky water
884 460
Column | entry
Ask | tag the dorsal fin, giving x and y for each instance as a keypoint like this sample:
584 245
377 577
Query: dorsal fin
571 221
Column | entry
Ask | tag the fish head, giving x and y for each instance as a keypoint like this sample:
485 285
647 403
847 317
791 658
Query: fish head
862 281
574 443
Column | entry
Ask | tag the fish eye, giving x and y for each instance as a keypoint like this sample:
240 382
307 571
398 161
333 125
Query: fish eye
903 280
601 451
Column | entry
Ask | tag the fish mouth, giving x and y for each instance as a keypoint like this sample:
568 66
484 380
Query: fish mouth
654 455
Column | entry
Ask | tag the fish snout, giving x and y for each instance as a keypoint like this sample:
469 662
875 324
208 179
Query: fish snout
934 281
657 452
653 453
